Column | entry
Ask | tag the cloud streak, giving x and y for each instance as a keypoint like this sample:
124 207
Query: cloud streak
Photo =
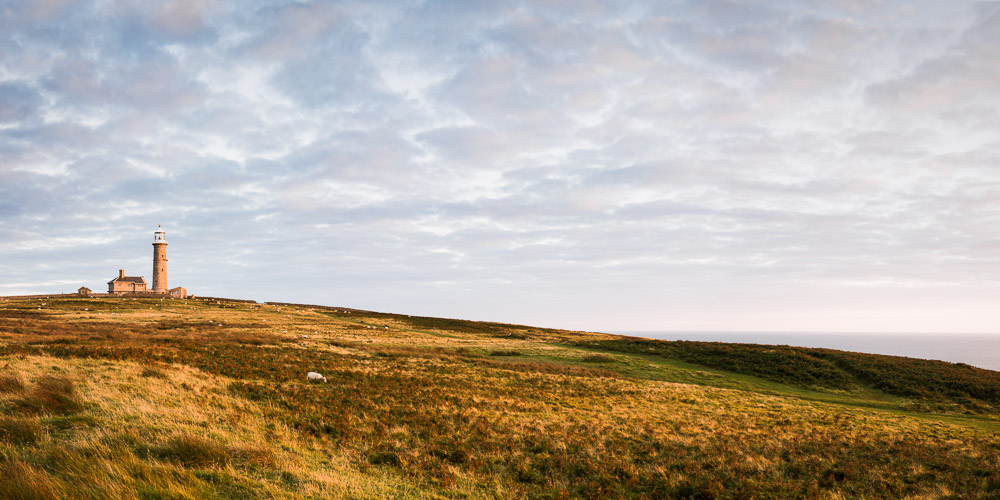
596 165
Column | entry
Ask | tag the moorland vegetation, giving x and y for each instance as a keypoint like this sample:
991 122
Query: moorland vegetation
148 398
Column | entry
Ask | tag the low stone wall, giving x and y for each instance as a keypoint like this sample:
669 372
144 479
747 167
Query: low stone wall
313 306
141 295
48 296
222 299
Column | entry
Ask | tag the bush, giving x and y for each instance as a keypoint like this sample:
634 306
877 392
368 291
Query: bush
598 358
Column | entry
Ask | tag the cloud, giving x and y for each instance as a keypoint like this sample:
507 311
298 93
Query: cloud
961 76
181 18
570 163
19 102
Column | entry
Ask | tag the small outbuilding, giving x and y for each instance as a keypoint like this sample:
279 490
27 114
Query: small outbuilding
178 293
83 291
126 284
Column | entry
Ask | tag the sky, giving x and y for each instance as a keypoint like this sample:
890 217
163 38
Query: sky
709 165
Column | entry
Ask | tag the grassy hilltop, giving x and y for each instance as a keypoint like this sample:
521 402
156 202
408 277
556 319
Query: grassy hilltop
142 398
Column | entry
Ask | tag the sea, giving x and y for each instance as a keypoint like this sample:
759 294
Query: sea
981 350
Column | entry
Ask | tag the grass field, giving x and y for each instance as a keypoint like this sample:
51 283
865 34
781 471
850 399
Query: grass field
143 398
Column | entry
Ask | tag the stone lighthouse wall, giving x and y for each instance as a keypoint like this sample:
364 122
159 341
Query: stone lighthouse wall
160 267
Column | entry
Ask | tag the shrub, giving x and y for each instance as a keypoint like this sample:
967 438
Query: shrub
598 358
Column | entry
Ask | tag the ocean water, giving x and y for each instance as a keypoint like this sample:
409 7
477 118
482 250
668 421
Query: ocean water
982 350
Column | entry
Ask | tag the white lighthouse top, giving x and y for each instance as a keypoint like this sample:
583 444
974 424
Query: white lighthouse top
159 236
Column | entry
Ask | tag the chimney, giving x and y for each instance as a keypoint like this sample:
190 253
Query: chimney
121 274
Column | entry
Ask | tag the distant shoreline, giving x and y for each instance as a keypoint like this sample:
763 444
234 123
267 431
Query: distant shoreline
976 349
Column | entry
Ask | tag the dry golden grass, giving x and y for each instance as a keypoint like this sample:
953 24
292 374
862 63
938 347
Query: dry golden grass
10 383
159 400
165 426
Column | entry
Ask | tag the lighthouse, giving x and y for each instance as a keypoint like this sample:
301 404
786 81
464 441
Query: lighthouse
159 260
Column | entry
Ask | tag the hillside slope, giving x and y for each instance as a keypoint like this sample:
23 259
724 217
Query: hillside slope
928 385
171 399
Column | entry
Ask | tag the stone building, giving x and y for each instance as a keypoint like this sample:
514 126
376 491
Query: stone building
126 284
160 260
123 285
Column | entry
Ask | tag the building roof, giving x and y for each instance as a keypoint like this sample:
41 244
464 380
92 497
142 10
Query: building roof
129 279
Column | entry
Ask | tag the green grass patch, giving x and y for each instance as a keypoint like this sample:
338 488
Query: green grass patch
598 358
936 386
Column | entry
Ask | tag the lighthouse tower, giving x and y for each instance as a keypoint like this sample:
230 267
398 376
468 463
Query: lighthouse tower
159 260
